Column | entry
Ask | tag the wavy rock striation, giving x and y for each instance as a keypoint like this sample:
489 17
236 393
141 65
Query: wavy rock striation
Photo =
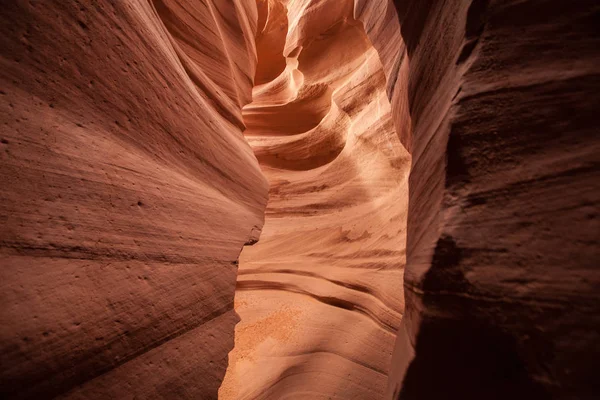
127 194
320 295
129 190
501 278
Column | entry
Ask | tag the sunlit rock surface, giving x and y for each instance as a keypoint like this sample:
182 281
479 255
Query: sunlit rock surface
320 295
127 194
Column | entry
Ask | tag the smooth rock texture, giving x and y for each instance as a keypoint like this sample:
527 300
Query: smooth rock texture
319 296
128 192
433 172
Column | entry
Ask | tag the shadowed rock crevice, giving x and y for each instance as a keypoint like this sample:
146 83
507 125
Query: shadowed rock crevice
490 358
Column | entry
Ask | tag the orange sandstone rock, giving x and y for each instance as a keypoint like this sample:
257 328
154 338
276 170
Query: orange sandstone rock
319 295
127 194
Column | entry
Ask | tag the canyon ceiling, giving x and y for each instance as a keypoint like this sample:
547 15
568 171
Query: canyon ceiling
303 199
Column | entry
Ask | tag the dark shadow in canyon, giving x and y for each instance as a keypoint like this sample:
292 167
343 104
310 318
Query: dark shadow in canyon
474 358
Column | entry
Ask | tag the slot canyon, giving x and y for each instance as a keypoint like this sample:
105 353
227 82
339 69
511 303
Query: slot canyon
299 199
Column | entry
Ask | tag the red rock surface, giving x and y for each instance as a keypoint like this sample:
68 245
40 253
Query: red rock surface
129 189
127 194
501 280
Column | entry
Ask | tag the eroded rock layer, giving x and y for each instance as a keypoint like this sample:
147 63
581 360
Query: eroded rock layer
127 194
501 279
319 295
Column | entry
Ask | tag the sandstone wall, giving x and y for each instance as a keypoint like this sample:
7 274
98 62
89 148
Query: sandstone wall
127 194
128 191
501 281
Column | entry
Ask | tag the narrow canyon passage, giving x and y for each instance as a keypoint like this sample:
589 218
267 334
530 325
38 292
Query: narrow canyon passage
320 295
142 141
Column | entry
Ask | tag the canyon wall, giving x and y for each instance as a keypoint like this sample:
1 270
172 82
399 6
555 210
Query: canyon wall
319 296
501 279
129 190
127 194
